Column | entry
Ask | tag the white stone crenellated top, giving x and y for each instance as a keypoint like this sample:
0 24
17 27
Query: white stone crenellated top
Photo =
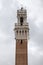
21 27
22 13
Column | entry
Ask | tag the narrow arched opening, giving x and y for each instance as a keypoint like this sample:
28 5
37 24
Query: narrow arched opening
21 21
21 41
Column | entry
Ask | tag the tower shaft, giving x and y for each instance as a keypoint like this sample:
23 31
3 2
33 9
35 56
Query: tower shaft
21 52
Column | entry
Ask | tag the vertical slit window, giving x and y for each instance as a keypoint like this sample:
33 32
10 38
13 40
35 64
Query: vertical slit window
21 41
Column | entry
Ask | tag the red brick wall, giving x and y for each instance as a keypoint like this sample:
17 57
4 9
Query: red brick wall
21 52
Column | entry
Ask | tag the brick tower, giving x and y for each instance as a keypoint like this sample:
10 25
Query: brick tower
21 36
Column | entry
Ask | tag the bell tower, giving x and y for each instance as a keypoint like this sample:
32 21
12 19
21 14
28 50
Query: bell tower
21 35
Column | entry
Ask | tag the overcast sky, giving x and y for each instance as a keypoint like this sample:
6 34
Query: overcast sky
8 9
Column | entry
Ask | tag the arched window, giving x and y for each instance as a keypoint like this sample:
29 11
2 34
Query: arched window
25 31
22 31
21 21
17 31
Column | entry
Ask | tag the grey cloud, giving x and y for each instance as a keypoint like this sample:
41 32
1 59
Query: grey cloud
7 20
36 34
